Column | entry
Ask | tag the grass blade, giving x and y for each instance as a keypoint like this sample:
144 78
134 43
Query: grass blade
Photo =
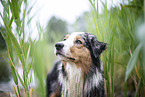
13 71
11 21
112 70
125 89
132 61
15 92
139 84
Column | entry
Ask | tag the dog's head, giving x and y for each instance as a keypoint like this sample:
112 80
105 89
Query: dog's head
79 47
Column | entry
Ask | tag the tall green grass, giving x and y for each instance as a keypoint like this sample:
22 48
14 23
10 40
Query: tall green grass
123 61
14 44
20 52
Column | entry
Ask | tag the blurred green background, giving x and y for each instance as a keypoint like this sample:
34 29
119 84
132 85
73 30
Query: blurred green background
27 59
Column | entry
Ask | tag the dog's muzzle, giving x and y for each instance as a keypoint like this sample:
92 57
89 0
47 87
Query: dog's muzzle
59 51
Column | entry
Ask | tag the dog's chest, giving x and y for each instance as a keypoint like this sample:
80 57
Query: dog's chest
72 84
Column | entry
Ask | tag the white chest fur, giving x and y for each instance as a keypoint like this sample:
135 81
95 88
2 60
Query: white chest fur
73 85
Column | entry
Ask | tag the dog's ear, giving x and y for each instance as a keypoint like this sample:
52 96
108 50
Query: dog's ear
96 46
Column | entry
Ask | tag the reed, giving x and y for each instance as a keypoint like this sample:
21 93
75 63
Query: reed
17 20
117 27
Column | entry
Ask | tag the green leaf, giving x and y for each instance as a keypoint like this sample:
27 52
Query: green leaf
21 81
18 90
30 9
30 19
14 74
132 61
13 68
11 21
29 67
23 25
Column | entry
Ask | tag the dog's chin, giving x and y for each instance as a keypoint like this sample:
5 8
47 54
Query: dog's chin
64 57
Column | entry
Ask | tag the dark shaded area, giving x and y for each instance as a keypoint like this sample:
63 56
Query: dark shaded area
4 94
2 41
5 72
52 83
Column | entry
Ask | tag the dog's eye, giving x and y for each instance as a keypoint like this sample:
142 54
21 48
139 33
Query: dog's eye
64 39
78 41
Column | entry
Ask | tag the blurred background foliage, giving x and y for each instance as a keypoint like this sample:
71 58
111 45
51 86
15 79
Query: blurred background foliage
55 29
119 27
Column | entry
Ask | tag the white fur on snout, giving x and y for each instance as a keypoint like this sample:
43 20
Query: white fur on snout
68 43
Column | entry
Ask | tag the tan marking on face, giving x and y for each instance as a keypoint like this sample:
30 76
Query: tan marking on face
79 46
79 38
82 57
66 37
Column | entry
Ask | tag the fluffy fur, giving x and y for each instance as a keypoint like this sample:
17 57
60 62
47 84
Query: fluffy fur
79 73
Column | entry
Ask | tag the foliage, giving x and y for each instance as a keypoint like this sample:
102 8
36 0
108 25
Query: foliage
16 12
117 27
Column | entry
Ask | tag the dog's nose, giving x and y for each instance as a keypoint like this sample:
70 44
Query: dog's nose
59 46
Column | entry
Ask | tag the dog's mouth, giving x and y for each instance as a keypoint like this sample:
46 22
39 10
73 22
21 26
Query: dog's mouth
70 58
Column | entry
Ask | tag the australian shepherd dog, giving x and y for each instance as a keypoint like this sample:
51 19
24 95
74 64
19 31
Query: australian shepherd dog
79 73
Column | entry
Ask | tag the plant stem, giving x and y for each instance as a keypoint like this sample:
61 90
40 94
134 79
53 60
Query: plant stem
144 10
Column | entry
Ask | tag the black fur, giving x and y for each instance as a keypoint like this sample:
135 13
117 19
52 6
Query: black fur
96 48
52 82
